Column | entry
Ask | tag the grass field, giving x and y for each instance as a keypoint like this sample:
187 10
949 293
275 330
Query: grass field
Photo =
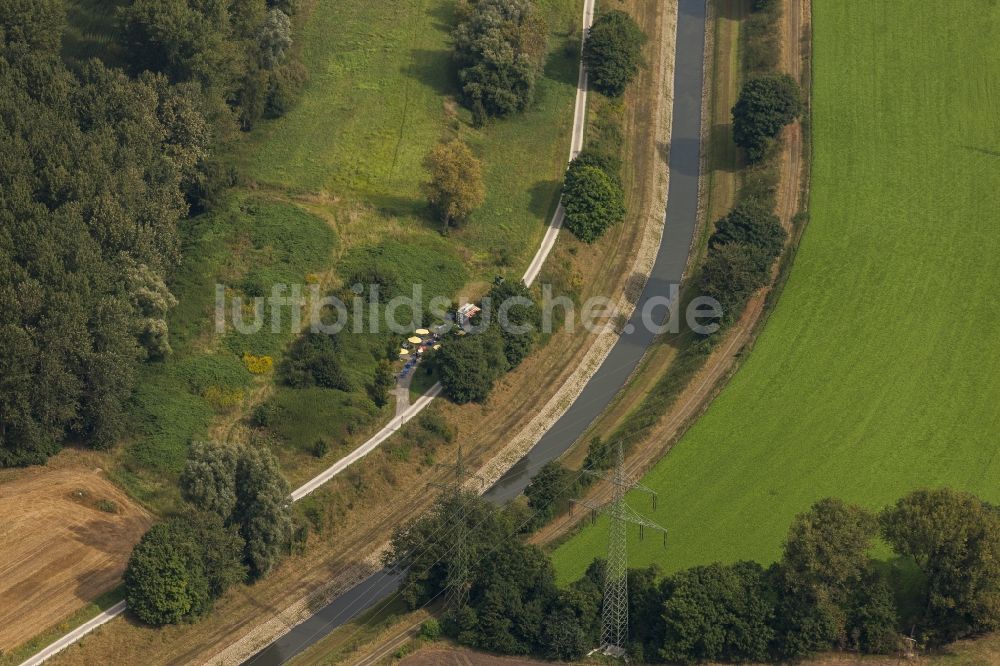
876 373
332 189
381 93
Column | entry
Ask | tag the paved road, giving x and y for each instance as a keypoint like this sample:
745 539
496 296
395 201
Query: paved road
682 208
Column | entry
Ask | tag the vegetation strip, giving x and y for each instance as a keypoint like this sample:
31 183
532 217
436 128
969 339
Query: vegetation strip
530 274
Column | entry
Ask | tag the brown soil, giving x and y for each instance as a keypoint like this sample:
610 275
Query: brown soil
436 656
58 550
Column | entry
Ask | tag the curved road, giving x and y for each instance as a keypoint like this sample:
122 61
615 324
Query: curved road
668 270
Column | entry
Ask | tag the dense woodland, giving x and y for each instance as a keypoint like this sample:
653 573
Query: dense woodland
826 592
100 165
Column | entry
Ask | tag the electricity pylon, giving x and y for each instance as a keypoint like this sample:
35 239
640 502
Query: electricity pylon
457 579
614 615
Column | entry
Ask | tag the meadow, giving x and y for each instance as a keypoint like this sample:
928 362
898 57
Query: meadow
330 192
876 372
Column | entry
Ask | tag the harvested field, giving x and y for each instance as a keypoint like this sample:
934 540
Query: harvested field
58 548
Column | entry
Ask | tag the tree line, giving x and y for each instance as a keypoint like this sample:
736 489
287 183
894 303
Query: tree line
747 240
500 50
826 592
99 167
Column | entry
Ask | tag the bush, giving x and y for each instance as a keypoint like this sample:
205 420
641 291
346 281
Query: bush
593 202
765 105
258 365
320 448
430 630
179 567
753 225
500 49
613 52
470 365
314 360
107 506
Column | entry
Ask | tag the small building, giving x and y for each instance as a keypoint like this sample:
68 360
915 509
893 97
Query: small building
467 312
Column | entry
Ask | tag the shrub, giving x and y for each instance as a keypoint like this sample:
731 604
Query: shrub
593 202
314 360
500 48
258 365
320 448
613 52
765 105
430 630
107 506
470 365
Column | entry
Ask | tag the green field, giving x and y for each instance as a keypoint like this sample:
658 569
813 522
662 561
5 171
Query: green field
327 191
877 372
382 91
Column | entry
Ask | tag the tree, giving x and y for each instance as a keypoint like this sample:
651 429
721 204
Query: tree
382 383
181 566
500 48
548 491
164 580
593 202
469 365
732 273
263 509
521 318
613 52
36 25
954 539
751 223
209 478
606 162
93 177
242 485
717 612
456 187
824 566
765 105
314 360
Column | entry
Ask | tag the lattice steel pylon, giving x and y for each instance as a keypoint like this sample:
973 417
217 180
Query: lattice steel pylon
614 615
457 578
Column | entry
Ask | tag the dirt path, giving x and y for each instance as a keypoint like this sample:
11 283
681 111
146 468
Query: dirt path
724 360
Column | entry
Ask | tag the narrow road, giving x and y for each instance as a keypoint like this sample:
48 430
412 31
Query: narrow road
668 270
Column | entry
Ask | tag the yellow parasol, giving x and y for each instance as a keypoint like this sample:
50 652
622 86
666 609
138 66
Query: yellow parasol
422 331
404 352
414 340
436 347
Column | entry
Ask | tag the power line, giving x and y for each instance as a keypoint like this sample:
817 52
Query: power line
458 581
614 614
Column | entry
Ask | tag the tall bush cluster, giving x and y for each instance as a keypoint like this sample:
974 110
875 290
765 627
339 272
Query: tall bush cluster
500 49
470 365
237 524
